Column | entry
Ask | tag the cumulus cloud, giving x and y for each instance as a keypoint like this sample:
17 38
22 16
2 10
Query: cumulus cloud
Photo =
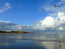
56 16
6 6
52 22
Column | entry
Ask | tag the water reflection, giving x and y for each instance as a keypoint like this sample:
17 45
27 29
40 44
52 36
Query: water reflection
15 42
31 41
20 44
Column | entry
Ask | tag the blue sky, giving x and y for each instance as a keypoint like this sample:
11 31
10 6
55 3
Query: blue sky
25 12
50 14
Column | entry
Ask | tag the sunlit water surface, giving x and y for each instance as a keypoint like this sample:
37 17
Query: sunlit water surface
31 41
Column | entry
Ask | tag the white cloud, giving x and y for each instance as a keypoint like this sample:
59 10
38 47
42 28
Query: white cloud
5 7
9 26
5 21
52 22
53 9
61 2
56 16
46 21
16 27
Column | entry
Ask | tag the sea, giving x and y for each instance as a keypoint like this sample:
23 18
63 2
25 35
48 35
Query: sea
32 41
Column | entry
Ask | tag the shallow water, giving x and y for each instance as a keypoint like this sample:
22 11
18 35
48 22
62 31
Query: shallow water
31 41
15 41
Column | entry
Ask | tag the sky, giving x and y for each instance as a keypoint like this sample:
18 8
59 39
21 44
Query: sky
25 12
46 15
55 16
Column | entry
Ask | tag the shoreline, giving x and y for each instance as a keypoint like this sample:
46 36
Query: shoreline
14 33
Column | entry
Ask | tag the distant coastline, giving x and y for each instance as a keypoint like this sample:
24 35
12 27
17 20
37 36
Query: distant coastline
3 32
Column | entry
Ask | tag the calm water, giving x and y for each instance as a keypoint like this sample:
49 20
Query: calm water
25 41
15 41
